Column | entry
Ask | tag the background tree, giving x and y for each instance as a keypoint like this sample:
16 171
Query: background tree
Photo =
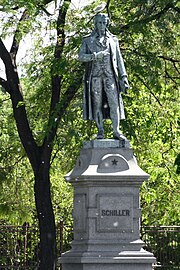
51 82
39 154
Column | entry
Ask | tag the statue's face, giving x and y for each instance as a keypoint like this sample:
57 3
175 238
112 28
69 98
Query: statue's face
101 24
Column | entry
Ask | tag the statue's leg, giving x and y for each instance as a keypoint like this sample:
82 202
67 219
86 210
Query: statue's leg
112 96
97 105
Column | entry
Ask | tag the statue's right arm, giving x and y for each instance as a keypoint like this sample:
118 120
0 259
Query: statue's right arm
84 54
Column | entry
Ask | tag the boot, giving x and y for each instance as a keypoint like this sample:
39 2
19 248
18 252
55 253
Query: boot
100 134
118 136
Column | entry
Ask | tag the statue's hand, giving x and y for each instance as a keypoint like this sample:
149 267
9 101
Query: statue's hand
100 55
124 85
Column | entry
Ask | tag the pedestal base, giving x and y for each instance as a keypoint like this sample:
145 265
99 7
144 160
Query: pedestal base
125 260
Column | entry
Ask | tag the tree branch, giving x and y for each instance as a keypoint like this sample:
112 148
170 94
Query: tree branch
71 91
4 84
107 8
145 84
9 66
18 36
69 95
13 165
172 60
48 1
177 69
170 77
169 59
45 10
56 78
149 18
165 58
177 9
18 105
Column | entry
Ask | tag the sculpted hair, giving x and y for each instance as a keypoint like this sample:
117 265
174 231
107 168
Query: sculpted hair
101 15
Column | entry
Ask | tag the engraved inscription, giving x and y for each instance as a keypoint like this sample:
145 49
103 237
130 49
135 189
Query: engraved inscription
115 213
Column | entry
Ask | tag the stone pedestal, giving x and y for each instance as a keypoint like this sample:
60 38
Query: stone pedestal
106 181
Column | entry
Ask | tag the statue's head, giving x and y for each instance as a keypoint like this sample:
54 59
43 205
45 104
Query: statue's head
101 21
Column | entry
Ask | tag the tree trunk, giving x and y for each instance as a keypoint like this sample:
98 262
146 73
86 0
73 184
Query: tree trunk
45 217
39 157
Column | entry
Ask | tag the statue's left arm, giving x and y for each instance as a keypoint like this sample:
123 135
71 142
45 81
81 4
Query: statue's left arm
121 69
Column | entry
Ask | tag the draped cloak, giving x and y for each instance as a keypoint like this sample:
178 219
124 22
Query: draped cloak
87 49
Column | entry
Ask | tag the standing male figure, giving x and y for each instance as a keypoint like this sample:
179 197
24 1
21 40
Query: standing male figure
105 77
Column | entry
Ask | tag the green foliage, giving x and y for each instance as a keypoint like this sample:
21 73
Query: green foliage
16 196
148 36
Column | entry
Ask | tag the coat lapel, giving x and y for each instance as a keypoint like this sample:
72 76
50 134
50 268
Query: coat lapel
112 45
90 44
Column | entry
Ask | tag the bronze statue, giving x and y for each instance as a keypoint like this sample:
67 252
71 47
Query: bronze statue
105 77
